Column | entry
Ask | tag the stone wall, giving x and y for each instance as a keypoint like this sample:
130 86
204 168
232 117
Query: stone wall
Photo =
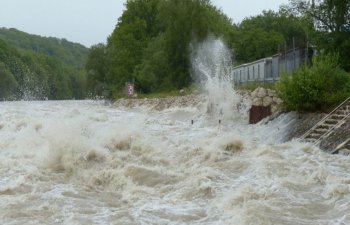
265 102
266 98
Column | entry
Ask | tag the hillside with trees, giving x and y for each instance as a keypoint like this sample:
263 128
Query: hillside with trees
70 54
34 67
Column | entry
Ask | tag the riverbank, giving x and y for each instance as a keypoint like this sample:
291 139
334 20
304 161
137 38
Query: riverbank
192 100
297 125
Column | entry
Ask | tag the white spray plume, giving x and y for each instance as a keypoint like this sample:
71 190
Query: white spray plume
212 65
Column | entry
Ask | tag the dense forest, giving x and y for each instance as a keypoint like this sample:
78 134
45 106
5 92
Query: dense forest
151 46
152 40
34 67
70 54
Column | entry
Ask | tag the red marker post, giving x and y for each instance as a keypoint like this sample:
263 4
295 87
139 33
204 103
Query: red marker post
130 89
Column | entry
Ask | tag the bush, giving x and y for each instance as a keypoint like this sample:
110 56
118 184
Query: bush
317 87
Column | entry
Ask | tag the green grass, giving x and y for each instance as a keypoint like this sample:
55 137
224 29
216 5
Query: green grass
251 86
162 94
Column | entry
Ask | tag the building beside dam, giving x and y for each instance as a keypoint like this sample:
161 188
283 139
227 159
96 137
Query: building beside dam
270 69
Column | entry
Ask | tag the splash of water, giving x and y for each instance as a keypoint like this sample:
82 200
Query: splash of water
212 67
31 88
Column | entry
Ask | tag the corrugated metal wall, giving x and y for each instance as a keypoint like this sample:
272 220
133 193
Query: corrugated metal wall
270 69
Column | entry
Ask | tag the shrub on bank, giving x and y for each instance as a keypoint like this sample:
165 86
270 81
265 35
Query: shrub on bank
318 87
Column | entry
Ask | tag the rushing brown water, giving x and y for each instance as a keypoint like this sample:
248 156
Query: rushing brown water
83 162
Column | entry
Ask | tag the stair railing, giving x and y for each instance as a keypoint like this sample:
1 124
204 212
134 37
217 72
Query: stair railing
339 124
324 118
340 146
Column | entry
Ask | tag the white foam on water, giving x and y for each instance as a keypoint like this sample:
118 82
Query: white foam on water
79 162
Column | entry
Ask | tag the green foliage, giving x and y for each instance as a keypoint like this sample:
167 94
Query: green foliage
318 87
151 42
68 53
78 84
186 21
96 70
29 75
331 23
124 51
257 44
8 83
163 94
151 45
154 63
160 94
262 36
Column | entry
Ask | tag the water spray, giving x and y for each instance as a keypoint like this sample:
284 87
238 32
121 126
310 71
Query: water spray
212 68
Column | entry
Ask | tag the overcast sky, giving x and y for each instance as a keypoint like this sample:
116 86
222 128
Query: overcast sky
91 21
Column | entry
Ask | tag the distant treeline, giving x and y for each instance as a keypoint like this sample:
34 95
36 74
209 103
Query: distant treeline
34 67
152 43
152 40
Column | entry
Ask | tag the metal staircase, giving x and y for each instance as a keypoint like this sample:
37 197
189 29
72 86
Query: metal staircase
328 124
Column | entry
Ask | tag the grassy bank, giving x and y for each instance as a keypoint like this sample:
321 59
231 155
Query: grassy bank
251 86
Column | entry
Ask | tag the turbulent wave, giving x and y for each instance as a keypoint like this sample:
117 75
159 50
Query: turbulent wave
83 162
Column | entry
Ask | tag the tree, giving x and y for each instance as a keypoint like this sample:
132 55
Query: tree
96 70
153 72
137 25
331 20
184 21
257 43
8 83
151 42
260 36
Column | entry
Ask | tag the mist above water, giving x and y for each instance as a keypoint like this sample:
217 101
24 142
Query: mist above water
212 66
